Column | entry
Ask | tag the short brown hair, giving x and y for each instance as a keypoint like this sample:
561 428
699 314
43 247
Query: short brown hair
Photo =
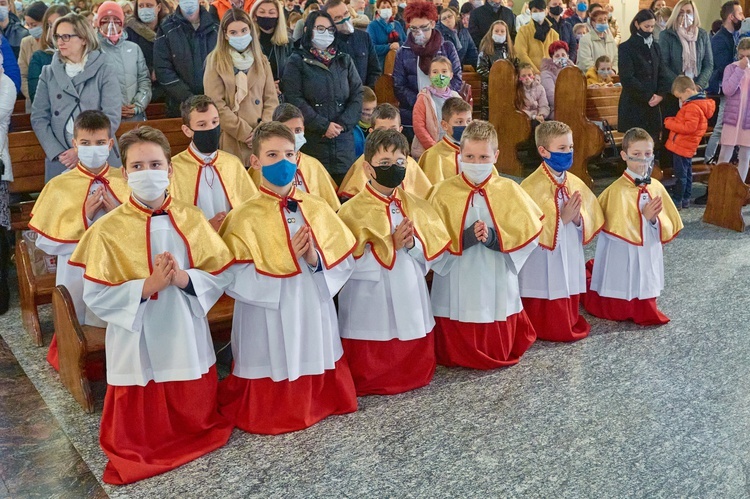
635 135
385 111
92 121
441 60
386 140
198 103
744 44
481 131
549 130
285 112
269 130
368 95
454 106
140 135
682 83
601 59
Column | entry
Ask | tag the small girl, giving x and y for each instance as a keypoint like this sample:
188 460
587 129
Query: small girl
495 45
736 131
600 74
428 109
530 95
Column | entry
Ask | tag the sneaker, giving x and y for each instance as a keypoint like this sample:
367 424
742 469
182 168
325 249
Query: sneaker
686 203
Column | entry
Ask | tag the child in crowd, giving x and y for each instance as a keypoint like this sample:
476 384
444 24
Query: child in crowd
293 255
530 96
428 108
385 116
369 103
311 175
686 130
385 316
662 16
580 30
640 217
600 74
597 43
441 160
213 180
736 88
495 45
69 204
153 268
494 226
554 277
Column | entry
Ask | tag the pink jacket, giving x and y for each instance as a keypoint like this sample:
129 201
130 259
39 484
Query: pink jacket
536 101
425 122
550 70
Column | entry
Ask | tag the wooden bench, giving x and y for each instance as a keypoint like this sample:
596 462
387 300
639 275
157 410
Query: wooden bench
21 122
27 159
20 106
602 105
470 76
727 194
384 86
80 346
513 126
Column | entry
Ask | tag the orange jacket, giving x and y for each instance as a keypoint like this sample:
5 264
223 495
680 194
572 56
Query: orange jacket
689 126
222 6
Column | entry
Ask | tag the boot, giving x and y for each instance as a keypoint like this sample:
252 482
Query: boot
702 200
4 271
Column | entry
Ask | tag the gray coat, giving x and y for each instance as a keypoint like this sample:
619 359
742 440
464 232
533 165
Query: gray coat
135 80
671 56
60 98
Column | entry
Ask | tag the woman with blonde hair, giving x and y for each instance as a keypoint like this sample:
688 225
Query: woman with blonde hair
268 16
238 77
77 79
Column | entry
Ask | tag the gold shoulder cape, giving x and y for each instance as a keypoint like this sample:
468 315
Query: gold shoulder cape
257 232
234 179
415 182
543 189
58 213
440 161
117 248
517 219
623 217
368 216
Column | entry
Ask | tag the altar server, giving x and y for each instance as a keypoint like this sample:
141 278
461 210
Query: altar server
441 160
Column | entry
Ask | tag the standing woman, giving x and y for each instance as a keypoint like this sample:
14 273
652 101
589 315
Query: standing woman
43 56
141 30
77 79
239 79
451 29
268 16
385 32
7 101
324 84
34 17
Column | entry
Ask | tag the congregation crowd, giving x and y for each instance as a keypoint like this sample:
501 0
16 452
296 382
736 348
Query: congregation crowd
321 211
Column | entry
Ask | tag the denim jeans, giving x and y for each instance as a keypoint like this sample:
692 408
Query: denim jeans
683 172
713 142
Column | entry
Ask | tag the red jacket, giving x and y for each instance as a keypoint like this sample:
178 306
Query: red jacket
686 130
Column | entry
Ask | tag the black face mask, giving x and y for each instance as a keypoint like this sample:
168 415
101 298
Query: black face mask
644 34
267 23
737 25
390 176
207 141
556 10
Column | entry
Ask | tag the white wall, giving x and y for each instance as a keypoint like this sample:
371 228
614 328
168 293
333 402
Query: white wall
625 10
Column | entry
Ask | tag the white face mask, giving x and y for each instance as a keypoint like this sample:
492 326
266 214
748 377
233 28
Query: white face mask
93 157
299 140
385 14
538 17
476 172
688 20
240 43
322 40
189 7
148 185
346 28
499 38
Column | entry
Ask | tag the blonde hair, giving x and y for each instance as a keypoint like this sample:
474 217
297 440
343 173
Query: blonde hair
549 130
480 131
52 10
487 45
220 58
280 35
578 27
744 44
368 95
82 29
664 13
682 83
677 12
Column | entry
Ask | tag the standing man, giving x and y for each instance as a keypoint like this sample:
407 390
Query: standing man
482 18
355 43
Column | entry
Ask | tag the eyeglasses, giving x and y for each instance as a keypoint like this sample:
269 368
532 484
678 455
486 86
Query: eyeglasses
416 29
323 29
387 165
64 38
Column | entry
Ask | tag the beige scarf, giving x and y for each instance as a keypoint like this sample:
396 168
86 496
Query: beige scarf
689 55
243 62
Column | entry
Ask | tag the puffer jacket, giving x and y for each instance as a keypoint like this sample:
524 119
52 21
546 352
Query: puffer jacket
550 70
135 82
535 102
732 87
689 126
325 95
15 32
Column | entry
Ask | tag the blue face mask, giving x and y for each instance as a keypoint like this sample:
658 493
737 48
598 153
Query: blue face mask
601 28
560 161
457 132
280 173
582 7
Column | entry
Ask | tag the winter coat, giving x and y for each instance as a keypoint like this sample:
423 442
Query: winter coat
360 48
256 107
7 102
531 50
642 76
29 45
60 99
15 33
482 18
535 102
550 70
325 95
732 86
277 54
671 56
378 31
686 130
141 35
723 53
461 39
179 56
134 76
484 65
426 124
39 59
594 78
405 81
565 32
592 47
10 62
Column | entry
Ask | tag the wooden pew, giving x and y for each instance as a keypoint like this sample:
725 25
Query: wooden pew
602 104
21 122
470 76
513 126
727 194
27 159
384 86
80 345
20 106
570 108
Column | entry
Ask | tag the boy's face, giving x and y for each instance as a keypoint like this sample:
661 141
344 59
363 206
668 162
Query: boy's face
207 120
146 156
561 143
384 158
478 151
458 119
92 138
639 156
685 94
381 124
296 125
367 109
273 150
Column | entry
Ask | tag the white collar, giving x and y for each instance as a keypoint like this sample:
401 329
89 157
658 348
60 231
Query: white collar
207 158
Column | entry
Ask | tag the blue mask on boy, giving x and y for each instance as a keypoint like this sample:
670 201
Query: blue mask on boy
280 173
457 132
560 161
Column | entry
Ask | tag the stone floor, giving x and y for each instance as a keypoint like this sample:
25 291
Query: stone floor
627 412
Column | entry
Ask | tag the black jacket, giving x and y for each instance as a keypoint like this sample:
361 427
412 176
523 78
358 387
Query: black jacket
180 54
360 48
482 18
565 31
724 51
641 76
15 32
325 95
277 54
140 34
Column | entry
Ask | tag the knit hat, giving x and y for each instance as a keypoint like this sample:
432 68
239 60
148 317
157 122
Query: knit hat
110 9
36 11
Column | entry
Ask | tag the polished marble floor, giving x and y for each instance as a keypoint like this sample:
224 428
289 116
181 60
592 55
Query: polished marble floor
627 412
